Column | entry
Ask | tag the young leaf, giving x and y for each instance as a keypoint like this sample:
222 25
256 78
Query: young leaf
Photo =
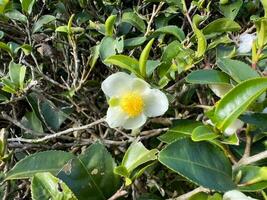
134 20
45 19
203 133
143 58
109 25
200 162
235 102
181 128
27 5
172 30
124 62
17 74
47 161
201 40
46 186
232 9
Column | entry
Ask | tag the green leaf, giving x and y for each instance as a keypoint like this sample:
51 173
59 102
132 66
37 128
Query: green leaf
107 48
46 186
134 20
16 15
80 181
143 58
62 29
99 163
221 25
151 66
26 48
43 20
31 121
201 40
208 76
17 74
231 10
238 70
53 115
3 4
181 128
172 30
6 48
134 42
203 133
235 102
2 34
257 119
124 62
9 86
109 25
201 163
47 161
27 5
170 52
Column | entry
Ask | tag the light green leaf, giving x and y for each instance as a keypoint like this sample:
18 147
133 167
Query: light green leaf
231 10
238 70
31 121
203 133
172 30
17 74
9 86
16 15
46 186
47 161
208 76
43 20
201 40
27 5
201 163
124 62
134 20
180 129
221 25
6 48
107 48
235 102
26 48
62 29
3 4
143 58
109 25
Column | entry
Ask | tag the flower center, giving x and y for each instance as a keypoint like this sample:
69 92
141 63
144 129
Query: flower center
132 104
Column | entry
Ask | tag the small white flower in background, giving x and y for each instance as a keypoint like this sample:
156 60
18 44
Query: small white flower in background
246 42
131 101
232 128
236 195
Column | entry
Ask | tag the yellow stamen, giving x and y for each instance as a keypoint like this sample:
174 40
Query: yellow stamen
132 104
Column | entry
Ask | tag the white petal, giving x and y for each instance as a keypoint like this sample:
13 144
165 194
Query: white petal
246 42
156 103
140 85
220 89
135 122
264 110
116 84
232 128
236 195
115 117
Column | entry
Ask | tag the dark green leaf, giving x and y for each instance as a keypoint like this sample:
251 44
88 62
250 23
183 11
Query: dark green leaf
135 20
45 19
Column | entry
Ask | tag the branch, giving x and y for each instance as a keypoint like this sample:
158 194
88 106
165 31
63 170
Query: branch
191 193
120 193
251 159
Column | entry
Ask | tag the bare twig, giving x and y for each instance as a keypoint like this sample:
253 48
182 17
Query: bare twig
251 159
191 193
120 193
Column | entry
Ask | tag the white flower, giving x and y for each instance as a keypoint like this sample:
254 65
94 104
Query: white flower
232 128
236 195
131 101
246 42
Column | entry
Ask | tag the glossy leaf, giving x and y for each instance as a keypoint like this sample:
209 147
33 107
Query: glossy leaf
29 166
17 74
124 62
201 40
172 30
46 186
181 128
143 58
134 42
27 5
238 70
201 163
231 10
16 15
134 20
221 25
107 48
99 163
203 133
109 25
208 76
43 20
235 102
